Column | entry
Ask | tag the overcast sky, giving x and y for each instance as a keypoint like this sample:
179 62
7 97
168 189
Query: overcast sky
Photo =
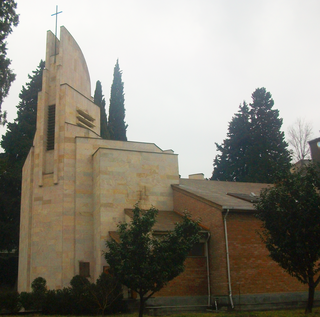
187 64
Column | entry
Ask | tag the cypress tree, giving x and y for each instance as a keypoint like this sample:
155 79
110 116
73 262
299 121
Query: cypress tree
16 143
101 102
116 124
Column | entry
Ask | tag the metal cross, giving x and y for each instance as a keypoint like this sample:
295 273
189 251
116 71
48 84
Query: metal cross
55 40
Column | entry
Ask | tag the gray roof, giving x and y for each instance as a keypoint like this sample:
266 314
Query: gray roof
225 195
166 220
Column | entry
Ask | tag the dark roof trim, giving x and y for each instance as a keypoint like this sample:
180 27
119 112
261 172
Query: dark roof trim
252 198
238 210
129 212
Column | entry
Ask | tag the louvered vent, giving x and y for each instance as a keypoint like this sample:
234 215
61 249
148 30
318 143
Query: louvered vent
85 120
51 125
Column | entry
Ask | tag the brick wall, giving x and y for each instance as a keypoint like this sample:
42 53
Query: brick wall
193 281
212 218
252 270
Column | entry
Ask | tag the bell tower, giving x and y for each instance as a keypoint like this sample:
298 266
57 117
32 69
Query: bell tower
65 111
76 185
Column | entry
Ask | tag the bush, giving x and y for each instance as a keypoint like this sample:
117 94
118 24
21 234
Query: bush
82 298
104 296
107 294
9 301
26 300
83 301
39 289
39 285
58 302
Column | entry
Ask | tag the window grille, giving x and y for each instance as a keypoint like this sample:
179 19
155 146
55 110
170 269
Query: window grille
51 127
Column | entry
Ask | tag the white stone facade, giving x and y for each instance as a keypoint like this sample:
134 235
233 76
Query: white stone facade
74 194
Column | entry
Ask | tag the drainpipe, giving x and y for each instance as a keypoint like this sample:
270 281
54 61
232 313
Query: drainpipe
208 271
228 261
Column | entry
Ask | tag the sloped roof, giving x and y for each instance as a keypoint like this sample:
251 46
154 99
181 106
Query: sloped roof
165 220
224 195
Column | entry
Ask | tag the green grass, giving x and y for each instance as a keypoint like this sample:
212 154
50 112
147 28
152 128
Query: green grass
274 313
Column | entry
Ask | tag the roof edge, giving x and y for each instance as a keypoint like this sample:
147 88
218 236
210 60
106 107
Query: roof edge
197 197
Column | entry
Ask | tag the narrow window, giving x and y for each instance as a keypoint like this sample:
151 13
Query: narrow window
84 269
197 250
51 126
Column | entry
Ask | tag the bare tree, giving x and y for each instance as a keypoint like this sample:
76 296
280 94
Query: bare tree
298 136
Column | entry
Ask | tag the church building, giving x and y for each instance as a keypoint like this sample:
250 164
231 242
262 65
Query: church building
76 188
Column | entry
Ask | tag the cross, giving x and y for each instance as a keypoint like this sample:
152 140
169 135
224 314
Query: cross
55 40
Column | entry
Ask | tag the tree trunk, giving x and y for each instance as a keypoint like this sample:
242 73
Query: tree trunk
310 297
141 308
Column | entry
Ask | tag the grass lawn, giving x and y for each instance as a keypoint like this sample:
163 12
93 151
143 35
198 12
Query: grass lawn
275 313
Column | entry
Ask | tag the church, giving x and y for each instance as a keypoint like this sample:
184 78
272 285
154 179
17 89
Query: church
77 187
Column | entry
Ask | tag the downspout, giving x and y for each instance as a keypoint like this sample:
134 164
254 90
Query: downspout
228 261
208 271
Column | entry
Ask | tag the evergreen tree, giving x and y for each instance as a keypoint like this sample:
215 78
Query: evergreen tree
145 262
8 18
290 215
101 102
16 144
116 124
255 149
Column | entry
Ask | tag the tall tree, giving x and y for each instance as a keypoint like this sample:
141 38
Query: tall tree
255 149
16 143
298 136
146 263
116 124
8 18
290 214
234 148
101 102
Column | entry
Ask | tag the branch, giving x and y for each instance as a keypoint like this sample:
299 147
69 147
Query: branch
149 295
317 281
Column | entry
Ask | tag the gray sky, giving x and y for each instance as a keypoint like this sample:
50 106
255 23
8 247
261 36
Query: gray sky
187 64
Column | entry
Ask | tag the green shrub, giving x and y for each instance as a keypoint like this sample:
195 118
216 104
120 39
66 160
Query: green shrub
58 302
83 301
39 289
82 298
39 285
107 294
104 296
26 300
9 301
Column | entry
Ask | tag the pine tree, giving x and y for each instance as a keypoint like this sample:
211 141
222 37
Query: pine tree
101 102
234 148
116 124
8 18
255 149
16 144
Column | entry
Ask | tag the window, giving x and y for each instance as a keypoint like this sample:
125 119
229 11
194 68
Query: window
197 250
84 269
51 127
